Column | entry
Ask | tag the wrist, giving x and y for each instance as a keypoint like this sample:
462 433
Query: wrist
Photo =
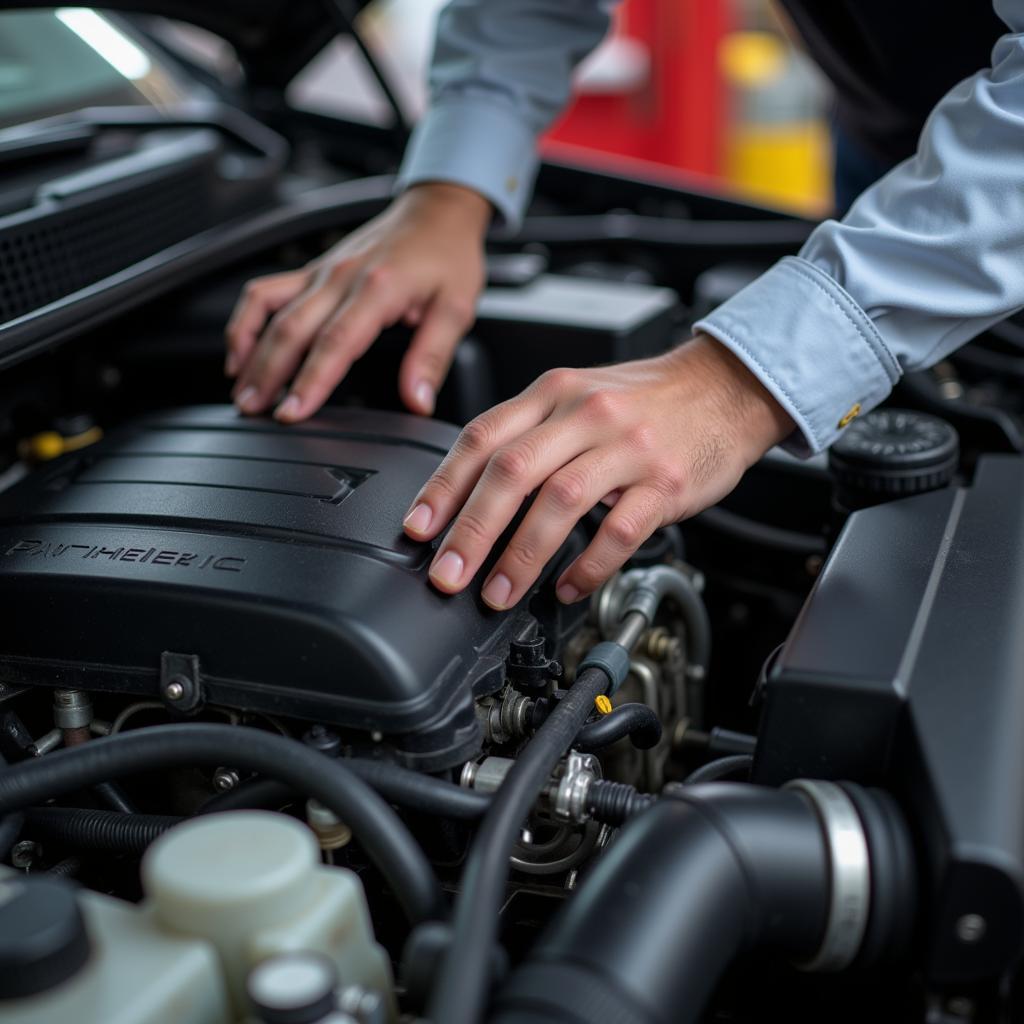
759 421
463 206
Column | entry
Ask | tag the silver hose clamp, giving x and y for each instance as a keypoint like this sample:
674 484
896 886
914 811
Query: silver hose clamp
849 870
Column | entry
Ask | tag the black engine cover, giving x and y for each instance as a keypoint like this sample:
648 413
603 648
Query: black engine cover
272 557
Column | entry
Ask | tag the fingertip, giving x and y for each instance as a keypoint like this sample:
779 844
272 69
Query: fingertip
289 410
248 400
447 571
417 522
425 397
567 593
497 592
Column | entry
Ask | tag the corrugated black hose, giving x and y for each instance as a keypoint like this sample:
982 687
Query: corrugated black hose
107 831
382 834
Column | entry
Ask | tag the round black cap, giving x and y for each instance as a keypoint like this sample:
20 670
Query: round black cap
43 940
293 988
892 453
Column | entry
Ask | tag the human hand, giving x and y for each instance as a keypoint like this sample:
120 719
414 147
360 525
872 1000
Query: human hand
421 261
658 440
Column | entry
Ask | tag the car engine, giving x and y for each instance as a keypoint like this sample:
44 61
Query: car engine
254 768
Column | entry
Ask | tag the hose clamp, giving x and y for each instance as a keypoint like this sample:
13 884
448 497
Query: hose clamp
849 871
612 659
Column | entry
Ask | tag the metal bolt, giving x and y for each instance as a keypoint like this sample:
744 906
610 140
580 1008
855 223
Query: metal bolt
225 779
24 854
174 690
971 928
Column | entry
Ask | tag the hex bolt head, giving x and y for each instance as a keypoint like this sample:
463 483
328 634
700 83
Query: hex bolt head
971 928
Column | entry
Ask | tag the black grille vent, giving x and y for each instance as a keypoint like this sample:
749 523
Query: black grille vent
52 255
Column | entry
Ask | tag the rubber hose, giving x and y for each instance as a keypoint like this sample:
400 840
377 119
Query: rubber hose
397 785
613 803
115 797
109 831
462 987
688 887
383 835
637 721
10 824
721 768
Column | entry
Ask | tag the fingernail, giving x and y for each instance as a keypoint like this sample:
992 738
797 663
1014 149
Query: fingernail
425 396
246 401
498 591
288 408
567 593
418 520
448 568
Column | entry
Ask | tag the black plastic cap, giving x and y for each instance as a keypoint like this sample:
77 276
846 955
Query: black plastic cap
43 941
891 453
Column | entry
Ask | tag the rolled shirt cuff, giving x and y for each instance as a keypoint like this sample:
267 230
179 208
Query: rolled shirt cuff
479 145
811 345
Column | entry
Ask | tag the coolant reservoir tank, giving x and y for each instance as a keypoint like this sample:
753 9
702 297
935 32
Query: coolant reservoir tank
251 883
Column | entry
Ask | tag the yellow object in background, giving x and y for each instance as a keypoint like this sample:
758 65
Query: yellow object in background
777 146
782 165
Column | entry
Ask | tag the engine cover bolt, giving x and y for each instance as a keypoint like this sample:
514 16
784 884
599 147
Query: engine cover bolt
225 779
971 928
174 690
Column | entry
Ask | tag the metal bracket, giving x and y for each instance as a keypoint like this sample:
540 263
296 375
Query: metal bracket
181 686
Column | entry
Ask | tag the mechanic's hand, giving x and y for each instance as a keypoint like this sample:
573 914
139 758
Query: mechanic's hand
658 440
420 261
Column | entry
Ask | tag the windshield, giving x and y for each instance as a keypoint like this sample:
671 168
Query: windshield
58 60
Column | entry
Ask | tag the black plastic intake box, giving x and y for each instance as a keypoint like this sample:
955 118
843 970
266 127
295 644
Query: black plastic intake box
906 669
269 560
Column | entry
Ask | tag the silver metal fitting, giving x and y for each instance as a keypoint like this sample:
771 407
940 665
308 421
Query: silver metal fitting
174 690
571 788
331 832
486 775
506 717
72 709
850 866
225 779
363 1005
51 741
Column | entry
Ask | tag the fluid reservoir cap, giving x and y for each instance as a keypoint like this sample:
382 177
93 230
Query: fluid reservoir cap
231 871
293 988
43 940
893 453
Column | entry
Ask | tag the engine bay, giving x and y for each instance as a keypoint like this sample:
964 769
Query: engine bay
255 768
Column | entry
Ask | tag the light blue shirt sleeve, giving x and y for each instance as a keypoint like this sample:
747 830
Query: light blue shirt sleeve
925 260
501 74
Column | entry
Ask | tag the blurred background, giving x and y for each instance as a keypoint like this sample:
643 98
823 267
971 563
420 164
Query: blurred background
714 89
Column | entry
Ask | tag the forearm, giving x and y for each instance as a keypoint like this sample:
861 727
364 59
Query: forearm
927 258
